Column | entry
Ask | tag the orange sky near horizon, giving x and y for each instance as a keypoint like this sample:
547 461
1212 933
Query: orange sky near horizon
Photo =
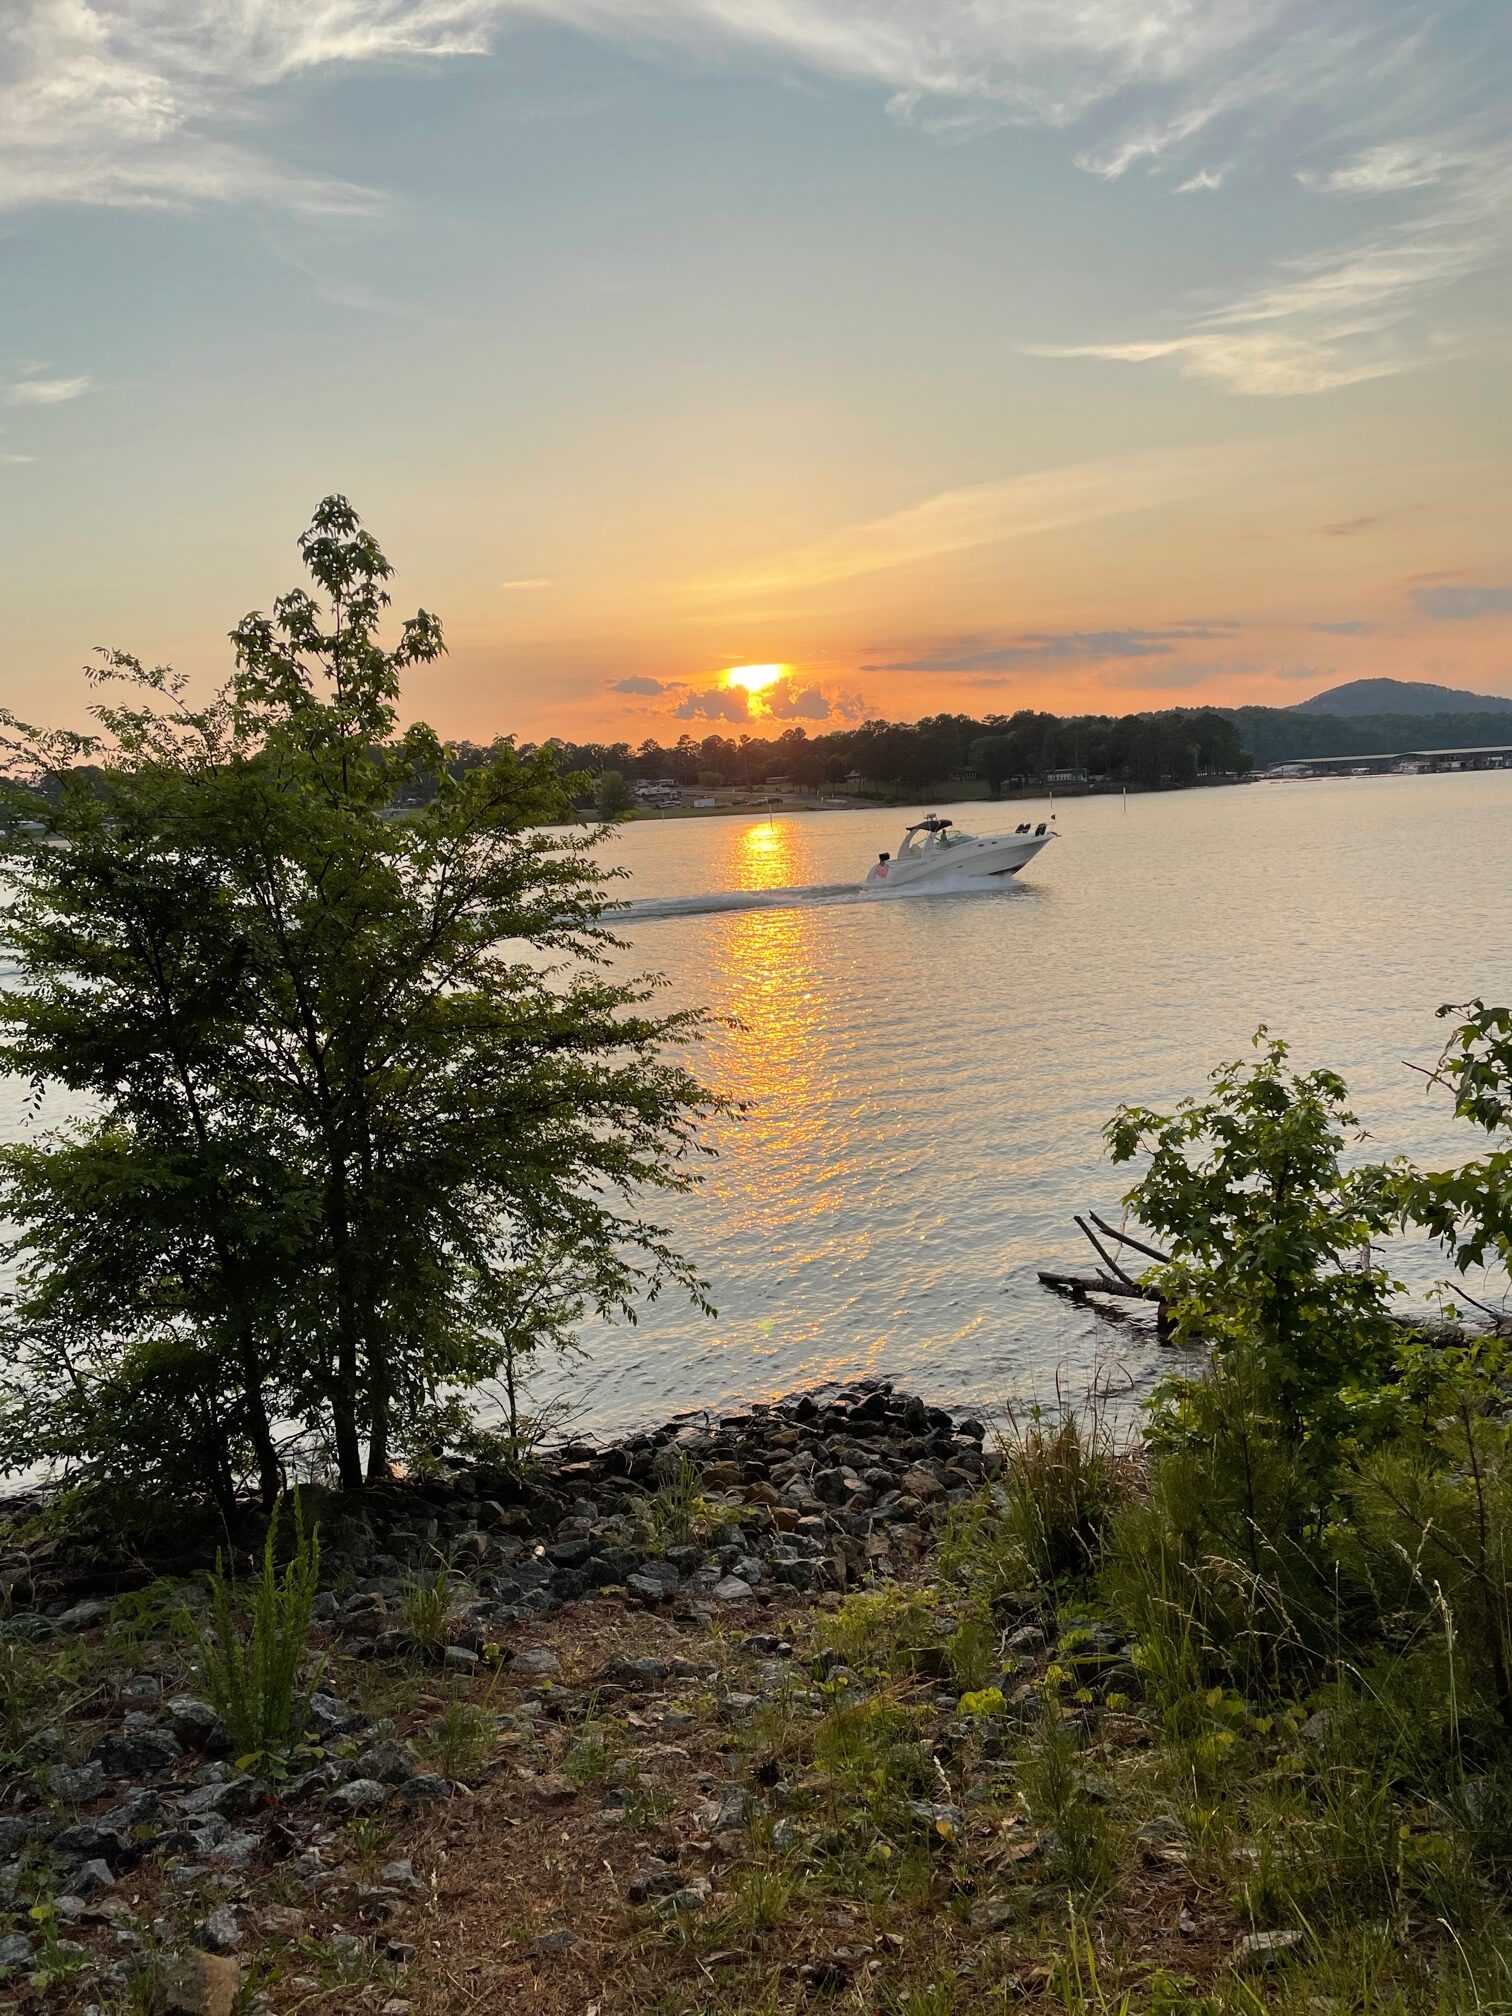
950 356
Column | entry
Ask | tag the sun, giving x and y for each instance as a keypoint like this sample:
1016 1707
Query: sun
754 678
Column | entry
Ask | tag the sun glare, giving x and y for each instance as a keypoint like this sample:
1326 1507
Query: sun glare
754 678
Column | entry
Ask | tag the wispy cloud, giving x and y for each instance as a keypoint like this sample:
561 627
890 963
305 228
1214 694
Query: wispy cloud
638 684
156 102
988 514
1040 648
1350 627
1451 604
1383 171
1349 528
1336 317
525 583
1204 179
45 391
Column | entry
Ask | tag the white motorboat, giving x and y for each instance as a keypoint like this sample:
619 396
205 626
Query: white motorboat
937 851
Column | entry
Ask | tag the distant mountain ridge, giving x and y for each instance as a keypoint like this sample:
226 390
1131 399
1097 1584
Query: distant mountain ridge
1399 696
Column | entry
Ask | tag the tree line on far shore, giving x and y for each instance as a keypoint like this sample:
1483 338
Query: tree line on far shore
1152 751
1179 747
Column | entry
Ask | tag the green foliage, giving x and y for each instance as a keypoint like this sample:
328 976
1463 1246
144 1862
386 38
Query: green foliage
679 1511
428 1605
1470 1208
462 1739
252 1663
1054 1792
1270 1245
614 797
350 1151
882 1630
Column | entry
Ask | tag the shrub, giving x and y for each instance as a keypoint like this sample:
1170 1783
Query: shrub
1270 1239
252 1664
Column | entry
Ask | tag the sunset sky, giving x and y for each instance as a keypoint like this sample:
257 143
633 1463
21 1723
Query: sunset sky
941 353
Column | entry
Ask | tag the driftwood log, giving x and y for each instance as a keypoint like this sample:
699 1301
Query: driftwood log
1111 1278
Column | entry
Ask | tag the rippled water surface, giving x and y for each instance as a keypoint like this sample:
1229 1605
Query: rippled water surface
927 1076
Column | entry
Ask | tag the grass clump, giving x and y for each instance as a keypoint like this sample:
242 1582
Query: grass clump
461 1739
679 1512
252 1655
428 1605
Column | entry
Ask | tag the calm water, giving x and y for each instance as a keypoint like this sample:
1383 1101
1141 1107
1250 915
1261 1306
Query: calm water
927 1075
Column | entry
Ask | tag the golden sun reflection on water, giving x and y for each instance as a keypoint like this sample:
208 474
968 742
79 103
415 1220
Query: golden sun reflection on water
764 857
784 1057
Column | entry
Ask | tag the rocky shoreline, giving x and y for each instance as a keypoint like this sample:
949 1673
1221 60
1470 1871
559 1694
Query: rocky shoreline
703 1517
825 1488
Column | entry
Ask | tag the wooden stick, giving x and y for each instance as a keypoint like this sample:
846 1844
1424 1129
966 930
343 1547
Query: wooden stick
1128 1239
1104 1255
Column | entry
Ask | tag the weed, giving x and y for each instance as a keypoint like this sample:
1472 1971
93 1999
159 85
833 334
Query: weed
1053 1789
678 1513
591 1755
461 1739
761 1897
252 1667
884 1630
428 1605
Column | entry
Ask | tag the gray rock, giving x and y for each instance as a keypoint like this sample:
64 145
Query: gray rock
655 1879
731 1813
637 1673
86 1615
220 1933
90 1878
15 1951
233 1800
538 1660
460 1659
401 1876
683 1903
362 1795
198 1984
193 1721
426 1788
390 1761
1258 1952
326 1716
76 1784
137 1753
549 1943
731 1589
87 1843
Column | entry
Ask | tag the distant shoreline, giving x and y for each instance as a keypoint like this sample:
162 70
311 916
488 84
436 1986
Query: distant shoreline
965 794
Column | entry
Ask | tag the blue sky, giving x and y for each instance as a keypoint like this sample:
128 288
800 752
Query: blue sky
1055 352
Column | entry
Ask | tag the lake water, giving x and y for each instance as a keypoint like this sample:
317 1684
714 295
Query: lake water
927 1075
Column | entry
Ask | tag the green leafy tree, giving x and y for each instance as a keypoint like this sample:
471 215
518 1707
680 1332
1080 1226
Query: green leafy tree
1270 1238
614 795
344 1067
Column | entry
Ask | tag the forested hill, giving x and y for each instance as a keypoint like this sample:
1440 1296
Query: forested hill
1283 734
1378 697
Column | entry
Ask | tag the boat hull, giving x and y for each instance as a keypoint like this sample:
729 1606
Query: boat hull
993 858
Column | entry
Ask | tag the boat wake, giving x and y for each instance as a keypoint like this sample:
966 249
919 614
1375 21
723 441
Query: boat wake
830 893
